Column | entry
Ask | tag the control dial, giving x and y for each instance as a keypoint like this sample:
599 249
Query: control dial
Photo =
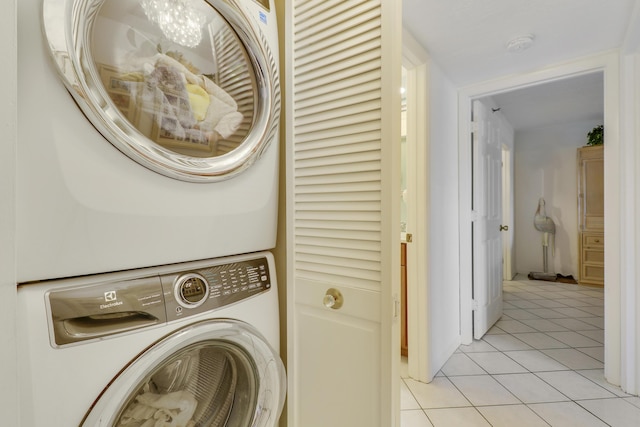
191 290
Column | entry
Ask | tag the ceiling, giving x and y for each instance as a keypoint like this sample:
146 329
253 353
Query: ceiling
562 101
467 39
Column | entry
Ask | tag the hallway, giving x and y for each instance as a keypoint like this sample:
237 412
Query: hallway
540 365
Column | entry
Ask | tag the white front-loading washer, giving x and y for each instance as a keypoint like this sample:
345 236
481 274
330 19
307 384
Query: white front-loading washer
183 345
147 133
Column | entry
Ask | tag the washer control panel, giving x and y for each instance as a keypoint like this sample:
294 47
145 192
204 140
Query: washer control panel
106 305
197 291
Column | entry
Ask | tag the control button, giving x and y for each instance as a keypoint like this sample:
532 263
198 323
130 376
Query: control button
191 290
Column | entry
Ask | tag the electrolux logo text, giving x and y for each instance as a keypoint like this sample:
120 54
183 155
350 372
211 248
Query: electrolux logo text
111 300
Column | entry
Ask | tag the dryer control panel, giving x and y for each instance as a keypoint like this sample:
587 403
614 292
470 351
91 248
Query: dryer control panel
108 304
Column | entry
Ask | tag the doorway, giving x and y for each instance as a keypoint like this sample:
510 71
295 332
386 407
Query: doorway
414 203
544 148
552 121
607 65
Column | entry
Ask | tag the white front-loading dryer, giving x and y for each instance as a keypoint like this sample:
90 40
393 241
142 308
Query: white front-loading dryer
183 345
147 133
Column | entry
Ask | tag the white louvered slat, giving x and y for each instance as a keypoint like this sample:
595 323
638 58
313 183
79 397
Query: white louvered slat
353 65
364 121
356 38
330 14
327 136
361 94
339 89
314 267
316 273
337 196
361 230
336 150
327 180
340 241
342 114
337 188
360 165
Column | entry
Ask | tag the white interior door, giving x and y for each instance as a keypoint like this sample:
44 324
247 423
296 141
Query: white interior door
343 185
486 219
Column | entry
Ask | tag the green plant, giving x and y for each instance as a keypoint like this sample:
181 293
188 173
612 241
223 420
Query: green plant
596 136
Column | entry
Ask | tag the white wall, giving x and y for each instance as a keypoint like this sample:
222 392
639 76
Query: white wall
545 166
444 307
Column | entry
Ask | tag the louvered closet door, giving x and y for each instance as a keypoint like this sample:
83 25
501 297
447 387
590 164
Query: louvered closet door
343 134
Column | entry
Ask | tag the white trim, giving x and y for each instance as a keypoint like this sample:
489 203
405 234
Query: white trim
416 61
413 53
466 217
608 64
9 352
630 158
508 268
391 14
631 41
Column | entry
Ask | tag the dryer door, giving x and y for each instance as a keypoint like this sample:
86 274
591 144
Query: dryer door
212 373
187 88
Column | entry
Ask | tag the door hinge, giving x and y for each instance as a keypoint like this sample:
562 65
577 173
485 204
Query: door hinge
396 306
474 305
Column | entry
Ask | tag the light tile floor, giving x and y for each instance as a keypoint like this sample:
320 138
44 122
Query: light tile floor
540 365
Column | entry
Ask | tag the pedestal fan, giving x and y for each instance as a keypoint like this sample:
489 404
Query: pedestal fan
548 228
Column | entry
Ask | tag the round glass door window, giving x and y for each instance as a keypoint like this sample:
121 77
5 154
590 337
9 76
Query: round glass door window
188 88
202 385
214 373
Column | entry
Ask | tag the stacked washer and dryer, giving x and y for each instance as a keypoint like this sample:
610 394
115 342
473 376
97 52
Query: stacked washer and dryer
146 206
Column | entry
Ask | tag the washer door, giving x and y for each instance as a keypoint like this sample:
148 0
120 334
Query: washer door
213 373
187 88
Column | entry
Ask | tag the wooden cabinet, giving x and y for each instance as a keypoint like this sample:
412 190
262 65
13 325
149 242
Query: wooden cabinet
591 215
403 300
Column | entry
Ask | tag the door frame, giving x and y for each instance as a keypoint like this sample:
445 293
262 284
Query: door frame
416 62
508 247
608 65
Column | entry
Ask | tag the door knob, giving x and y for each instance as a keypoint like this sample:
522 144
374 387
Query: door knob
504 228
333 299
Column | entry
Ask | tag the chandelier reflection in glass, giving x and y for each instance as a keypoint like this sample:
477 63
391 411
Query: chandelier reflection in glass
178 21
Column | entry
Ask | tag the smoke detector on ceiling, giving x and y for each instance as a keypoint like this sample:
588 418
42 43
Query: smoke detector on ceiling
520 43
